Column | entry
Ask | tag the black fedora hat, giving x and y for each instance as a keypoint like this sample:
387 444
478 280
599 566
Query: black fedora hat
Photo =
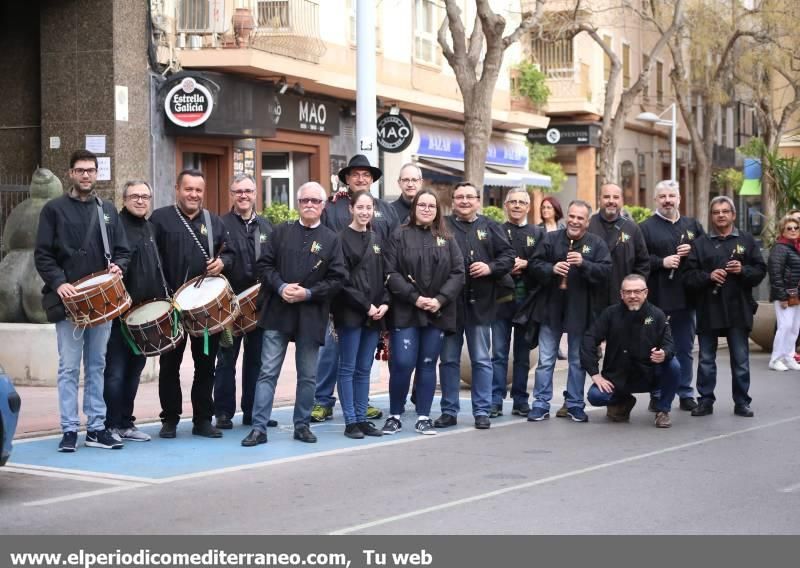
360 161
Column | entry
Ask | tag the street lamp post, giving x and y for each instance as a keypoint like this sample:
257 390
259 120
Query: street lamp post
657 120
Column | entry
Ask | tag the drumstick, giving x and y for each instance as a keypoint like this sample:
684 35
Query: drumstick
219 252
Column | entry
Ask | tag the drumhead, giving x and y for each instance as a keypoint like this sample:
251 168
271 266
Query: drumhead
150 311
190 297
96 281
248 291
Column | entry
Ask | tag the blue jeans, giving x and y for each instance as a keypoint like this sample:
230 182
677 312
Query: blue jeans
478 345
356 355
90 343
501 344
225 374
273 352
413 348
682 323
549 339
122 374
739 350
667 375
327 371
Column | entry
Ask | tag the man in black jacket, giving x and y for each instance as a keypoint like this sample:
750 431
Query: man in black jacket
570 263
669 237
143 282
409 182
69 246
182 235
248 235
488 256
639 355
302 269
358 175
524 238
723 268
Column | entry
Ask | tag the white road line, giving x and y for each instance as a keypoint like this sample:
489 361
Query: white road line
76 474
566 475
82 495
791 488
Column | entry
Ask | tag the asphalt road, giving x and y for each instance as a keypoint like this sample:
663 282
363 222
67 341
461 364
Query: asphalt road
720 474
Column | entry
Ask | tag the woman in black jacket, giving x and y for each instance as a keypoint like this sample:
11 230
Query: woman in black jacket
358 314
784 276
424 275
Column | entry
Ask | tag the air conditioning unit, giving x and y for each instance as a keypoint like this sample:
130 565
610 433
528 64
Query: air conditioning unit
180 42
195 41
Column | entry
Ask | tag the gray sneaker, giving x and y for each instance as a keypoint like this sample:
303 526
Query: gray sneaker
134 435
115 433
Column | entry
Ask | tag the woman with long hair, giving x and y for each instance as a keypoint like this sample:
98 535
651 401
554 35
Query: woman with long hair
784 278
424 275
358 315
551 213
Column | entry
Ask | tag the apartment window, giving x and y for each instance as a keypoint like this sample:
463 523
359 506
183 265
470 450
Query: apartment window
606 58
193 15
426 19
553 56
351 9
626 65
646 90
659 82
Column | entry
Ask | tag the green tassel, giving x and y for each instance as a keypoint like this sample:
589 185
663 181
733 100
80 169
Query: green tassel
205 342
176 318
128 339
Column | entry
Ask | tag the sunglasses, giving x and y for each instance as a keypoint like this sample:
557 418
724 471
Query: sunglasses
307 200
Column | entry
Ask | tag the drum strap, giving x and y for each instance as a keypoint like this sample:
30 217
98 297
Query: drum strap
158 259
129 340
207 219
103 231
257 235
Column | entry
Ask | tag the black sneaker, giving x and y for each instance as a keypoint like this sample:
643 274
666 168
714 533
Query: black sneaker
392 426
425 427
69 442
369 429
703 409
353 431
445 421
497 410
743 410
224 422
521 409
206 430
168 430
688 404
102 439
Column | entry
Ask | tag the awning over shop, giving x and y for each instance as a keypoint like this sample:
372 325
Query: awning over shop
751 187
501 176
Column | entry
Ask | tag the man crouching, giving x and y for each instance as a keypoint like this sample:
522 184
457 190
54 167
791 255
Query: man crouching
639 355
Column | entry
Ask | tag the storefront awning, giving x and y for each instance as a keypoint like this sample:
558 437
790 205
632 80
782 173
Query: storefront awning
751 187
527 177
455 169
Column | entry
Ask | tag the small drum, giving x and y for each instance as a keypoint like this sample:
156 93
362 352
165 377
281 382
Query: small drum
248 315
151 327
101 297
210 306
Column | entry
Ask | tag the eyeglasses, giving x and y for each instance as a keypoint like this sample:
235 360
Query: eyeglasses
240 192
638 292
791 228
361 175
311 200
81 171
426 206
139 197
515 202
722 212
406 181
464 197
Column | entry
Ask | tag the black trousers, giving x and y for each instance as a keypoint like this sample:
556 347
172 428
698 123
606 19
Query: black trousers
169 381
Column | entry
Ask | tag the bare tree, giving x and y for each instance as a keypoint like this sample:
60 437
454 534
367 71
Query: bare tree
708 40
476 62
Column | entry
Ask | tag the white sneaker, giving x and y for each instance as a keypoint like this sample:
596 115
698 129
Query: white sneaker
778 365
135 435
791 364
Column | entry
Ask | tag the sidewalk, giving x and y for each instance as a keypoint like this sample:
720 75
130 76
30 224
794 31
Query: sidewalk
39 412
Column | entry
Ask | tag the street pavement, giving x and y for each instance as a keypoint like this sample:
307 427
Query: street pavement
719 474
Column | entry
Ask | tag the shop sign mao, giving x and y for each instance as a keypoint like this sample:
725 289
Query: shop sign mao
188 103
394 132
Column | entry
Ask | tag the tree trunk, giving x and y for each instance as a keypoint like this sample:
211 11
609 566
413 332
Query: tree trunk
477 129
702 183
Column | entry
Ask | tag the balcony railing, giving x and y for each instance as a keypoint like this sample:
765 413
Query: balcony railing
283 27
573 83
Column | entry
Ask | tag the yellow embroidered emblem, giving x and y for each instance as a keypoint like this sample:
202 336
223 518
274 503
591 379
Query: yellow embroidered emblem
203 230
316 247
440 242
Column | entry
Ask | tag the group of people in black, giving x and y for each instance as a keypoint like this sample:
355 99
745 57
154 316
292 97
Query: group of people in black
355 274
